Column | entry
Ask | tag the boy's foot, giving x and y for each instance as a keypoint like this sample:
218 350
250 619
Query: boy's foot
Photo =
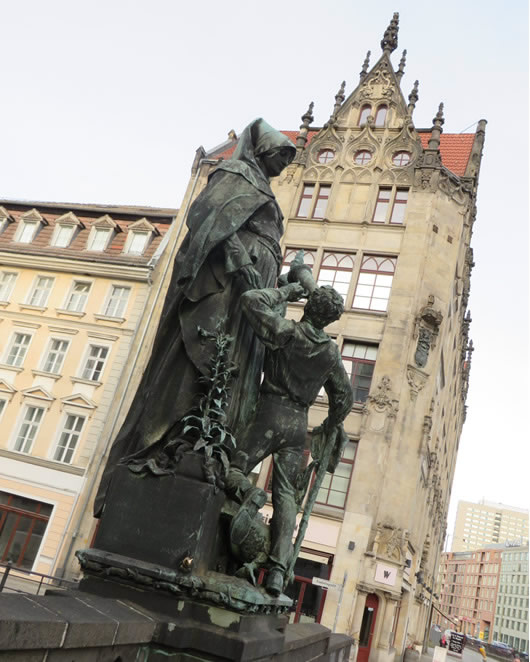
274 582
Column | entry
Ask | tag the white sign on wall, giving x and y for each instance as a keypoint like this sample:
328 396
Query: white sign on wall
385 574
440 654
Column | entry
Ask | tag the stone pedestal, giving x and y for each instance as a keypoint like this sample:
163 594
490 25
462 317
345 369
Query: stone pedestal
169 520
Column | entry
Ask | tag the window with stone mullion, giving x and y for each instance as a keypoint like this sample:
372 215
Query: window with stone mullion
374 283
336 270
359 363
334 489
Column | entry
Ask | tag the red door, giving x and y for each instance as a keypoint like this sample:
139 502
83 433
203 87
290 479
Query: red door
367 627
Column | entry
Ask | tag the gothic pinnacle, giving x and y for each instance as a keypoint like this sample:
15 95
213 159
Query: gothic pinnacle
366 63
389 42
339 98
413 97
401 68
307 118
436 131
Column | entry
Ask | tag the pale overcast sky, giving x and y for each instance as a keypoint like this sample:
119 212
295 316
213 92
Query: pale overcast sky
107 101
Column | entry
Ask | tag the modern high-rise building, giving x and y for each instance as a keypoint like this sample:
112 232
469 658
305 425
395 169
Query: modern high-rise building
511 613
74 280
484 523
384 211
468 591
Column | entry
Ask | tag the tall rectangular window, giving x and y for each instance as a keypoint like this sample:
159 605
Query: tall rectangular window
138 242
382 204
399 207
63 235
336 270
321 203
3 405
69 438
391 205
314 201
28 428
23 522
78 296
17 351
41 291
305 201
99 239
55 356
375 282
118 301
359 362
26 232
95 362
334 489
7 280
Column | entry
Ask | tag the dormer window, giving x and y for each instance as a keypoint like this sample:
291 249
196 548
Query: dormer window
139 236
65 229
380 116
101 234
5 219
365 112
30 224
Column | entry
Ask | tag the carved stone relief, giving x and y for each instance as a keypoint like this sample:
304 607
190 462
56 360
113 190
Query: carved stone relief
416 380
390 543
380 410
427 326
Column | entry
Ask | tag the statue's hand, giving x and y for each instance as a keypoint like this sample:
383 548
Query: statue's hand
252 276
294 292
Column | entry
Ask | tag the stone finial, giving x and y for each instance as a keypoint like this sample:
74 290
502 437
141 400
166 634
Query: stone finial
413 98
232 135
366 64
339 98
401 67
437 123
390 41
307 118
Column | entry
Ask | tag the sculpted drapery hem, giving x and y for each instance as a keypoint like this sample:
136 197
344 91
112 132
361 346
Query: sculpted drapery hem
235 223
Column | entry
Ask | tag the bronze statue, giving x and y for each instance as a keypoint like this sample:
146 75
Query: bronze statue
300 359
232 245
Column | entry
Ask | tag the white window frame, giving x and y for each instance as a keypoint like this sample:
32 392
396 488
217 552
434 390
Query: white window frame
23 420
71 294
49 350
60 228
91 241
44 295
24 226
69 434
10 346
88 357
132 236
7 289
118 308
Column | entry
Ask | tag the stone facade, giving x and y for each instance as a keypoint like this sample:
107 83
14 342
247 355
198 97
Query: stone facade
74 280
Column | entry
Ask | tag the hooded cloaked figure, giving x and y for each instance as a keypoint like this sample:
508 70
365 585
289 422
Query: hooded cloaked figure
232 245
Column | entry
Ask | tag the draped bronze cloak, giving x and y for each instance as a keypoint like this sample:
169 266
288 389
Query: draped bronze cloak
234 222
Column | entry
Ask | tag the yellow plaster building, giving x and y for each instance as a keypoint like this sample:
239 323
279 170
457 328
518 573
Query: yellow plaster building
74 280
384 212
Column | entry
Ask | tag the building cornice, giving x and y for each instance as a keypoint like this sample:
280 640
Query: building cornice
75 266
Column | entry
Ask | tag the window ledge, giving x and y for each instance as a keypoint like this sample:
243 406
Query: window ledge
5 366
72 313
108 318
371 313
4 304
28 306
80 380
42 373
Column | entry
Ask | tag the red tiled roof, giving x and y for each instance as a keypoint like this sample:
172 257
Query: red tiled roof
455 148
290 134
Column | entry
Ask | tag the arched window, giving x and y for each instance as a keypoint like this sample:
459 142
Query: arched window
336 270
365 111
380 116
